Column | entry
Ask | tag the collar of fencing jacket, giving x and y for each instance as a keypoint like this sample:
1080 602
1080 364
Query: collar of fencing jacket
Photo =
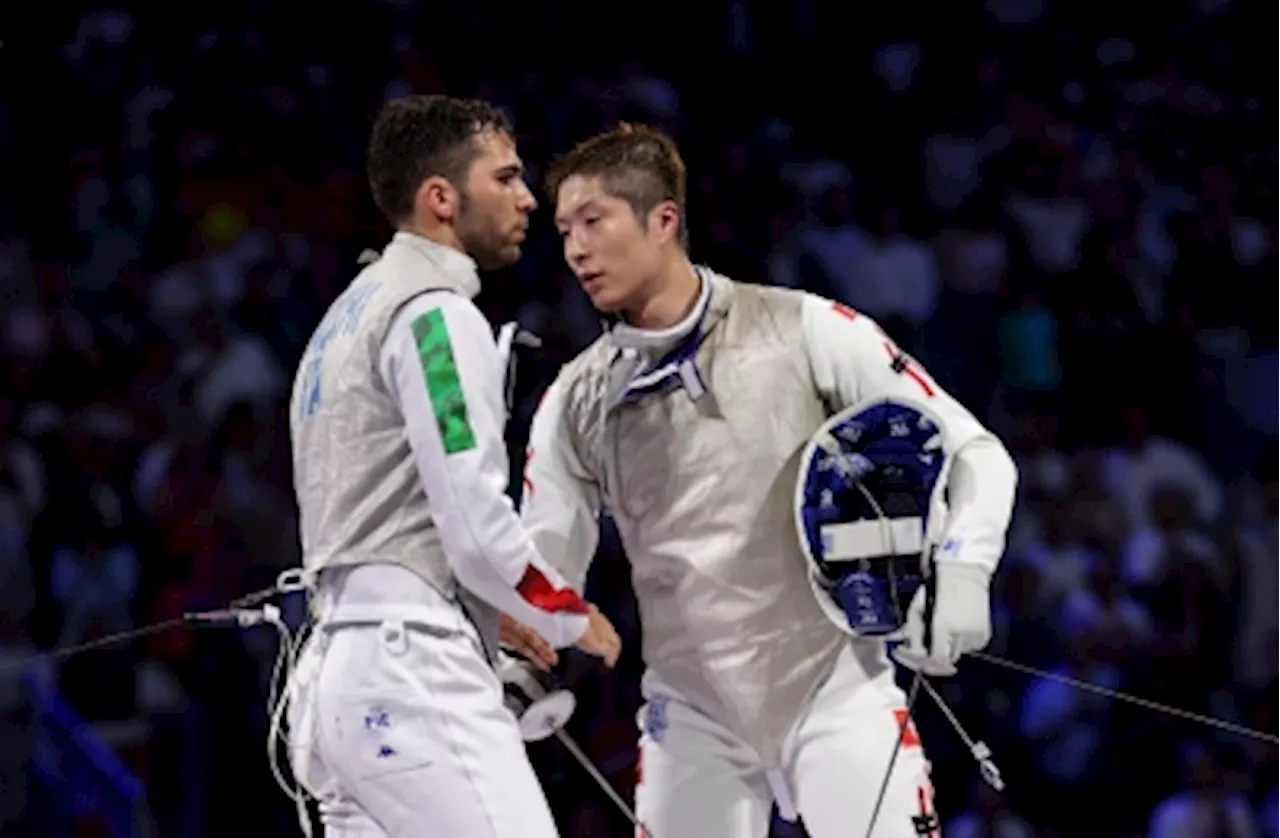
458 268
657 360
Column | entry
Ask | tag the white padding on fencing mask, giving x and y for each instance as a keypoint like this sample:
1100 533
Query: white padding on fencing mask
871 539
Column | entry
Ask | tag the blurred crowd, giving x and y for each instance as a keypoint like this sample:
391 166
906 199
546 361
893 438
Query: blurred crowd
1066 211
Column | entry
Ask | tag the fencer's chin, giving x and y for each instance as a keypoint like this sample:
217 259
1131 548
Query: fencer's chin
498 260
605 304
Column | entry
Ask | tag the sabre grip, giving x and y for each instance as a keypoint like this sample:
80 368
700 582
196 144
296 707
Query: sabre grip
525 681
517 702
540 706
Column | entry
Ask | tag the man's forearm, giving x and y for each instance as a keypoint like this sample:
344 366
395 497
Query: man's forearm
982 484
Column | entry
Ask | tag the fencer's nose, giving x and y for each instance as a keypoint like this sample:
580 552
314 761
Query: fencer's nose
525 200
574 253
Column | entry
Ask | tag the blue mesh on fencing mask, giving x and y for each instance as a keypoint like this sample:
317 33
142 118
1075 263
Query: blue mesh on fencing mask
866 486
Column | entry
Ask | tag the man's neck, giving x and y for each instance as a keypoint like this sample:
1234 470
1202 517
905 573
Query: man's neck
679 287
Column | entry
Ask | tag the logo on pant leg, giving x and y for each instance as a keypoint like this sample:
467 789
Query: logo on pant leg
655 717
377 718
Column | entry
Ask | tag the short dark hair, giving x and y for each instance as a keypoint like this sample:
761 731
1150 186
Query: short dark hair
416 137
635 163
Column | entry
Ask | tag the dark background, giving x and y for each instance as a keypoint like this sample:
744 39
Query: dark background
1066 210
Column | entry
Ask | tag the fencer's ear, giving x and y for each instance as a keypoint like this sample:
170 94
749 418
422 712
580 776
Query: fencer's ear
666 218
437 197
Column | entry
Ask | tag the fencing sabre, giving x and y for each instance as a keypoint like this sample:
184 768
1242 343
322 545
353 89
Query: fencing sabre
542 711
981 753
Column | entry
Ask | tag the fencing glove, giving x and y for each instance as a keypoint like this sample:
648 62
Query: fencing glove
948 616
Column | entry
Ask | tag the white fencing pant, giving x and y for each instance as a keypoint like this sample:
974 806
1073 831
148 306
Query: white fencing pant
699 780
403 733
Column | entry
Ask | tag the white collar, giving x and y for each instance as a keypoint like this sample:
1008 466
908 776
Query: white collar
659 340
456 264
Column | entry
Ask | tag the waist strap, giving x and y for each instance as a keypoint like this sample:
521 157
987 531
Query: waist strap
373 594
432 620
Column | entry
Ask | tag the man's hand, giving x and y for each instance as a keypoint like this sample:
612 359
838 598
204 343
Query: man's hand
957 621
600 639
520 638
